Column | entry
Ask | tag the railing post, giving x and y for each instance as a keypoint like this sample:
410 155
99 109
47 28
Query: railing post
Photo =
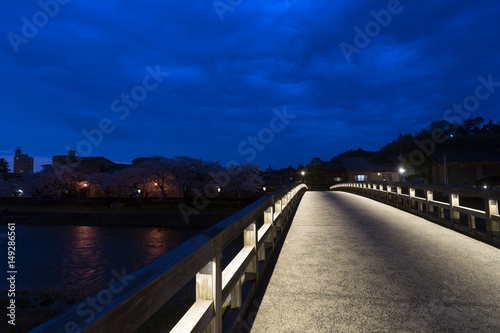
209 286
492 227
389 189
430 208
277 215
284 210
250 239
268 218
398 195
411 203
454 202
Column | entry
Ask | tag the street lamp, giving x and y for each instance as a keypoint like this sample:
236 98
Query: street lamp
402 172
264 188
302 173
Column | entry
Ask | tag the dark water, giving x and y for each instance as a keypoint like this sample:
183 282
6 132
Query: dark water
84 257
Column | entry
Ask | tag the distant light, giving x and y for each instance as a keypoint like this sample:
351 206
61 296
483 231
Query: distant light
264 188
156 184
138 191
451 135
485 186
402 170
378 173
218 188
302 173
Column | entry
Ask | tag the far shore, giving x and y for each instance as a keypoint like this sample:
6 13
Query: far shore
114 218
88 212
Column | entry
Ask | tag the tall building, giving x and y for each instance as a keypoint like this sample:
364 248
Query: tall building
22 162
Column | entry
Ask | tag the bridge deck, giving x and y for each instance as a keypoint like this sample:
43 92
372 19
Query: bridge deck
351 264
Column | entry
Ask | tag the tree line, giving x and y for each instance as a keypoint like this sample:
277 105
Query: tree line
157 176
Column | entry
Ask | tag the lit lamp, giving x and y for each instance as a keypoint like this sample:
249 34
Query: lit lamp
302 173
402 172
218 188
264 188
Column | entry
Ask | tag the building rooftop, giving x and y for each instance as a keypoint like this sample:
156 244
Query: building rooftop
356 164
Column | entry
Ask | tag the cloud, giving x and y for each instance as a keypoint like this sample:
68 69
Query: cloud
227 76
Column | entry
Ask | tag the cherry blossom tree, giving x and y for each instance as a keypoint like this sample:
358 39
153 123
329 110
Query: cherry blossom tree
193 173
159 171
245 178
102 182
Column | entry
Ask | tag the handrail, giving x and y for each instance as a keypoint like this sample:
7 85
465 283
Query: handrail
446 213
150 287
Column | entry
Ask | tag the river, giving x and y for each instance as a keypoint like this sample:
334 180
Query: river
54 257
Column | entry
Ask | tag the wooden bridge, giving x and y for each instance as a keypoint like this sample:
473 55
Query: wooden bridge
348 264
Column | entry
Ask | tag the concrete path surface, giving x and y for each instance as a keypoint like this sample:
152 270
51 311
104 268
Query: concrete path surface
351 264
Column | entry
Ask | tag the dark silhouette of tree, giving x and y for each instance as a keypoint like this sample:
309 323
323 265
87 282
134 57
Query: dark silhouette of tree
4 167
314 172
477 122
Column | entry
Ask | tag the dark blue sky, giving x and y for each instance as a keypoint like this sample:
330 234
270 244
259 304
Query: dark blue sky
100 67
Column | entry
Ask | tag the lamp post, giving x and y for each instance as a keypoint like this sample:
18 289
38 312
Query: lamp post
402 173
302 173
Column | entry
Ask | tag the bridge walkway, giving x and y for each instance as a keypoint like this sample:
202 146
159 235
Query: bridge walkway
351 264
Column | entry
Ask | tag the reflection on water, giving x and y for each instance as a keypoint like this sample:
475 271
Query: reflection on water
83 256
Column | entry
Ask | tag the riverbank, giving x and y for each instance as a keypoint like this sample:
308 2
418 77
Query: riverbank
130 212
116 218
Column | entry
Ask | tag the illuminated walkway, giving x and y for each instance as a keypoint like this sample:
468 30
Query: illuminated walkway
351 264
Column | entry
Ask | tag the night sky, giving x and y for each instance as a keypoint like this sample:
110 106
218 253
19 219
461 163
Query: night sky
305 79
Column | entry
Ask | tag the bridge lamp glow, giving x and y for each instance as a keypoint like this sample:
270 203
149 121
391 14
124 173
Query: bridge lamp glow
402 170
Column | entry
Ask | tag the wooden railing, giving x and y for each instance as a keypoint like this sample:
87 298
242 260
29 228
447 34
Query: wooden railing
471 211
129 305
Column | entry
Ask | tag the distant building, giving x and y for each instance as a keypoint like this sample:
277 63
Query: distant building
140 160
491 128
359 169
22 162
467 169
85 165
